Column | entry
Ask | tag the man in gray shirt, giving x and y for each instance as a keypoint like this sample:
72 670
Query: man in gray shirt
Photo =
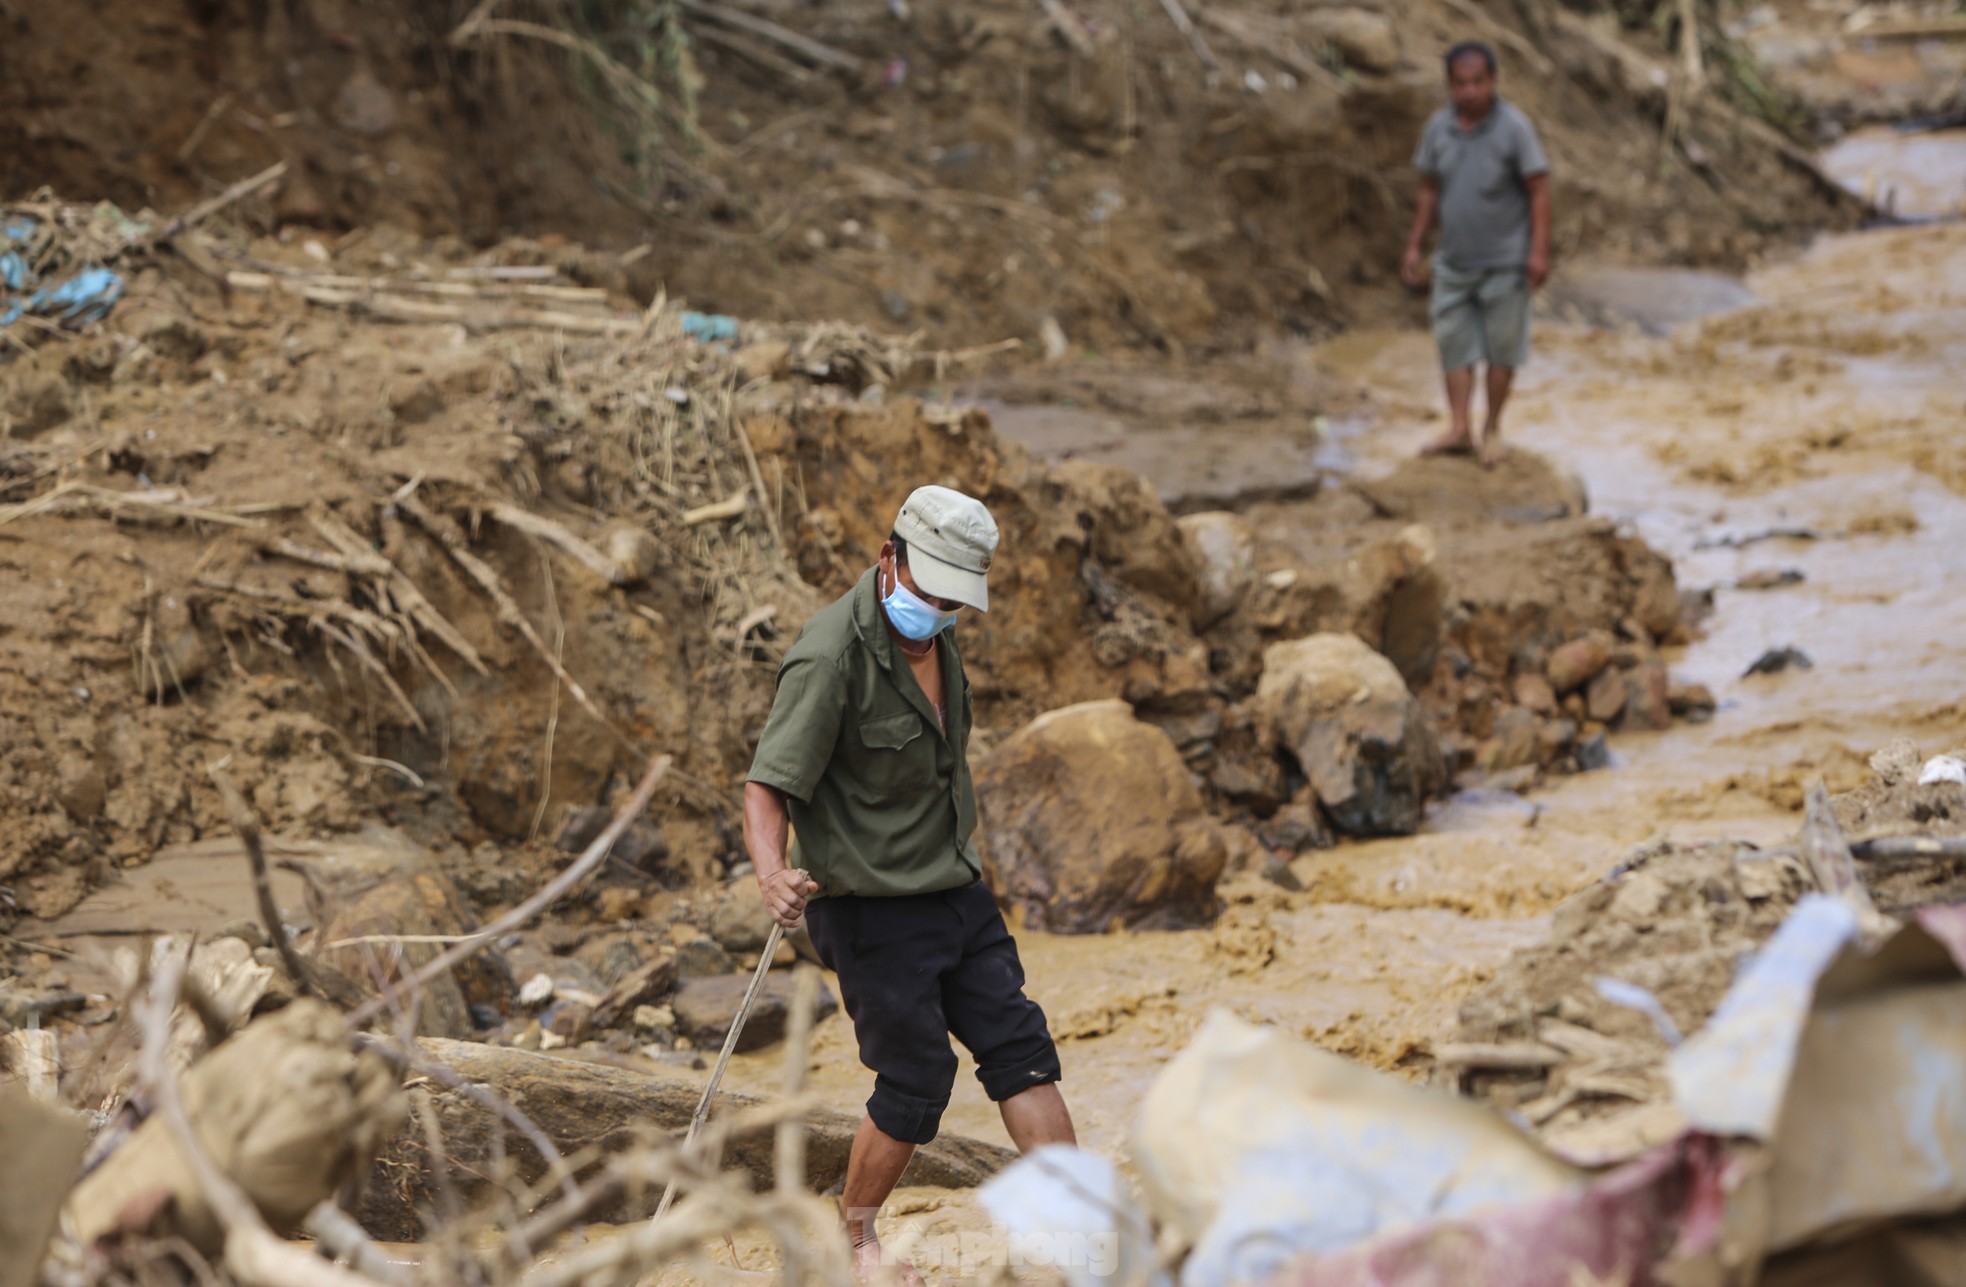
1484 175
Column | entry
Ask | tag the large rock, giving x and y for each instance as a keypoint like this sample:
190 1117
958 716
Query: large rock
1090 819
1363 741
1224 549
582 1106
1129 530
705 1008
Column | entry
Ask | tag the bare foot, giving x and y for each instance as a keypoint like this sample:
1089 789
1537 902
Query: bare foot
1455 442
1492 450
872 1265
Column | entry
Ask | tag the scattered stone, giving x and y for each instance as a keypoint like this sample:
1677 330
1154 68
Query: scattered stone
1898 763
1535 693
1090 819
1777 660
1648 697
702 958
1224 548
654 1018
740 922
705 1008
1691 702
1593 751
1605 698
646 985
1366 745
536 991
1769 579
569 1020
635 554
1298 826
616 904
1517 741
1578 662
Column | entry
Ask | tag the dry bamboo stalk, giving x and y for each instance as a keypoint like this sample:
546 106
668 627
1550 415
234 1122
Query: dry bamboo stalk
729 507
806 47
758 481
414 605
263 281
502 603
561 539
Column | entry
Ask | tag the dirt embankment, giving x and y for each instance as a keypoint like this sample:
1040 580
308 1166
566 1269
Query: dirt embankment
970 170
352 555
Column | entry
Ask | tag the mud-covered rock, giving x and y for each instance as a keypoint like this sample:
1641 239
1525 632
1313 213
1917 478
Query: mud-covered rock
382 886
1648 696
648 983
1090 819
1578 662
1130 532
706 1007
1224 549
1363 741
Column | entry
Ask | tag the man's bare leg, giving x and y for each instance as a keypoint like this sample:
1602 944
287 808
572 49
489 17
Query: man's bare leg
1459 438
1038 1116
1499 380
873 1168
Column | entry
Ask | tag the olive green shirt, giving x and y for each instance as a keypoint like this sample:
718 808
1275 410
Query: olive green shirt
881 800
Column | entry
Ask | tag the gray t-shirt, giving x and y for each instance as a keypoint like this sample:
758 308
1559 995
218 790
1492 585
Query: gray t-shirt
1484 210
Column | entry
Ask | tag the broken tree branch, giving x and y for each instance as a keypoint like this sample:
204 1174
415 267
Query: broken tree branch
246 824
561 539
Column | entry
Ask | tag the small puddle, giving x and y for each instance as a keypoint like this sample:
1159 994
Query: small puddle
1912 175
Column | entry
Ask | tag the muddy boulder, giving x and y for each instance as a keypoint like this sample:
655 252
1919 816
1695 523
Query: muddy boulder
1090 819
706 1007
1360 737
1129 531
1223 547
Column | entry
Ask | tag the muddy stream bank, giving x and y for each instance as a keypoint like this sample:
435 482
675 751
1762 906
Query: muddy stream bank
1803 440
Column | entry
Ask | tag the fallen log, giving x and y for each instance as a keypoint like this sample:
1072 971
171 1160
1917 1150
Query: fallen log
583 1106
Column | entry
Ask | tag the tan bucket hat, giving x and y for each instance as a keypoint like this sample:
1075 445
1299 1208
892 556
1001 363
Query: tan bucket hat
951 539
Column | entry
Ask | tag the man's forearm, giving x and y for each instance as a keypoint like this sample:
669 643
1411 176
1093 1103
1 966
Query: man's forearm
766 825
1423 217
1539 219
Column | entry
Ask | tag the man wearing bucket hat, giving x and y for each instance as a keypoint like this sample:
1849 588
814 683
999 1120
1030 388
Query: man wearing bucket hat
865 757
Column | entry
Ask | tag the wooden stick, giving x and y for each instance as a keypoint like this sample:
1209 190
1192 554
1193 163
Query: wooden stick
729 507
1512 1055
811 50
1890 849
296 282
1186 26
758 481
551 892
561 539
220 106
702 1112
237 192
245 823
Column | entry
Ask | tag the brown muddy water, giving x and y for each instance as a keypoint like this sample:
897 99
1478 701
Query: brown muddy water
1823 401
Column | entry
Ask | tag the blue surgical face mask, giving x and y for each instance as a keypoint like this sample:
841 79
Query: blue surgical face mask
912 615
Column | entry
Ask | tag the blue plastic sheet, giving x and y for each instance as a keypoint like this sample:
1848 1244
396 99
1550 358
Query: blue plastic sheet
83 296
709 327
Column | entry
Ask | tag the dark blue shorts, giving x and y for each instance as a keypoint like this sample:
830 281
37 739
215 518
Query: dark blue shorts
915 970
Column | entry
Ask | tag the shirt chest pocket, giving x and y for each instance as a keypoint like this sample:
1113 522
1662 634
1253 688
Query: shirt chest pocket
897 757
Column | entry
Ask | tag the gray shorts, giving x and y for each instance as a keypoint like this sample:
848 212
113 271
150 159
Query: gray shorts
1480 317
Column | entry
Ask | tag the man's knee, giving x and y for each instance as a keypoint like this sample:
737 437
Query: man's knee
907 1114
